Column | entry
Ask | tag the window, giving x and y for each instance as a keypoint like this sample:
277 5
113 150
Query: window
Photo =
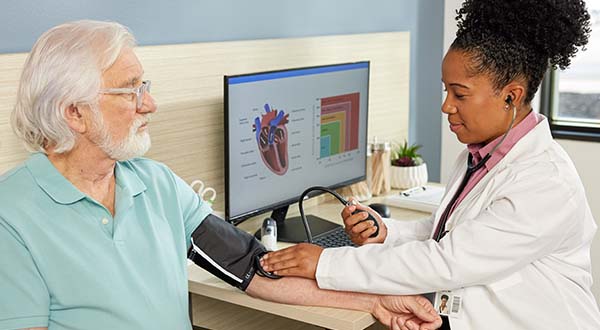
571 98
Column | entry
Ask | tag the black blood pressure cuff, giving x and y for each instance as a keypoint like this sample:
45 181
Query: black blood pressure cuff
225 251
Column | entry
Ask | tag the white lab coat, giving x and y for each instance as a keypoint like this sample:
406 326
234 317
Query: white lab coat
519 246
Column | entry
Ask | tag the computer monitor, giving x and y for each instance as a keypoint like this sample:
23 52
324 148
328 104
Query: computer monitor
289 130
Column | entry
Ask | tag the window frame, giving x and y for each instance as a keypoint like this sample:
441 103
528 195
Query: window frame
549 103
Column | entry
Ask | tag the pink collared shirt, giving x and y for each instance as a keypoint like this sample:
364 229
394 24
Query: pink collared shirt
480 150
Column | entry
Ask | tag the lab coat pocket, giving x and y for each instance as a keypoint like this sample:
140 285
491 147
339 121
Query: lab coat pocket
506 282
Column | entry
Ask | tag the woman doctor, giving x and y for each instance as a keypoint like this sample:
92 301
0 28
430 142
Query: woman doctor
510 243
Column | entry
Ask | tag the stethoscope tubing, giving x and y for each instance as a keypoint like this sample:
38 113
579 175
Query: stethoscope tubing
301 207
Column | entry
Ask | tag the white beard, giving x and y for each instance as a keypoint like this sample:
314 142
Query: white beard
134 145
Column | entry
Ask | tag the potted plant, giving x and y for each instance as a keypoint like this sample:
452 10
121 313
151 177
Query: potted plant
408 169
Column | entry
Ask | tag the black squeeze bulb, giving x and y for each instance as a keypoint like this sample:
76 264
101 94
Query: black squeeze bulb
369 217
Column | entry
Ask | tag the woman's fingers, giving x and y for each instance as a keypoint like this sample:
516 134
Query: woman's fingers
277 256
347 211
354 220
368 232
291 263
361 226
298 260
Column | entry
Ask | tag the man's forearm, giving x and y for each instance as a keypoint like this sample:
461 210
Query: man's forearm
300 291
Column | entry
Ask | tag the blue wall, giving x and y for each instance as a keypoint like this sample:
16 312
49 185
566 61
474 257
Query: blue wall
183 21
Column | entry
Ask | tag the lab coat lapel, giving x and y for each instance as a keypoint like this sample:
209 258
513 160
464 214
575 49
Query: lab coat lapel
451 188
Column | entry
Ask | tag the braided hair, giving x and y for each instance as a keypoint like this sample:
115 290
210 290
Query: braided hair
520 39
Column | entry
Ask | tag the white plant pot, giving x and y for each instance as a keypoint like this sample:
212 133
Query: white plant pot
404 177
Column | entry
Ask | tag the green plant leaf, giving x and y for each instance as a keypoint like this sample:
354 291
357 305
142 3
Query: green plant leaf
403 151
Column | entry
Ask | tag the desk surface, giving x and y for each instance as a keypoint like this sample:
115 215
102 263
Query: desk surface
203 283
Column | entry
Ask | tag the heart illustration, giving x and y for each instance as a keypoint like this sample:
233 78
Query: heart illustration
272 139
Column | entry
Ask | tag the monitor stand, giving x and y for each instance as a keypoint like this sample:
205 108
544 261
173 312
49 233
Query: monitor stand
292 230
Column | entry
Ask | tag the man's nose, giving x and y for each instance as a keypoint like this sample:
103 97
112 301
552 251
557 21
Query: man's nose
148 104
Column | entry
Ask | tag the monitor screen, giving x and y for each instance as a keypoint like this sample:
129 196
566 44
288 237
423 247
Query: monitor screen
291 129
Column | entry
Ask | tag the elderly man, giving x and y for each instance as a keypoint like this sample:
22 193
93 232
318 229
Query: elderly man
92 237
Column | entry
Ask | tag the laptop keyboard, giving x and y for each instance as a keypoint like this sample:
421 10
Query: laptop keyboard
334 238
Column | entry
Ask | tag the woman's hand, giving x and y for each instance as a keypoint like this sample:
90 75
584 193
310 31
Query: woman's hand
406 313
358 231
299 260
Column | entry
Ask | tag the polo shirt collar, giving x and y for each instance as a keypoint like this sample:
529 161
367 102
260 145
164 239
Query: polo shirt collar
63 191
52 181
128 179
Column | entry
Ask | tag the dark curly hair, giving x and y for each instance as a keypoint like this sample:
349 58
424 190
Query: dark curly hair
520 39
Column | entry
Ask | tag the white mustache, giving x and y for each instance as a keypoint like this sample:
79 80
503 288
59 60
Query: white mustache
140 122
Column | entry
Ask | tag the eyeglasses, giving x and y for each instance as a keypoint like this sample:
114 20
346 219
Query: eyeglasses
138 91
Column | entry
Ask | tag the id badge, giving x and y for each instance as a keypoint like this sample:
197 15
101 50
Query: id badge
449 303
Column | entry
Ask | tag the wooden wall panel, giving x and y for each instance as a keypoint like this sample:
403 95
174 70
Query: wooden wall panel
187 83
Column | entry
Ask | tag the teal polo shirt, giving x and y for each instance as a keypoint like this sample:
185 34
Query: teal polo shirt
66 263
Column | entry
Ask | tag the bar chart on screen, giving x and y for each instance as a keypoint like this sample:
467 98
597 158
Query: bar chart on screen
339 124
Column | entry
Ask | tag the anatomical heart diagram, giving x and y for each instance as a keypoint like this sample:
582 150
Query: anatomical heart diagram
272 139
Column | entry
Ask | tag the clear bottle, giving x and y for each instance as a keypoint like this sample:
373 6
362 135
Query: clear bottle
362 189
369 166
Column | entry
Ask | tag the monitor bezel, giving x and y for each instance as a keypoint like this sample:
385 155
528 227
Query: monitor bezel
244 216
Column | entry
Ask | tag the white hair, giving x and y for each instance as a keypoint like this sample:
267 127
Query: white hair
64 68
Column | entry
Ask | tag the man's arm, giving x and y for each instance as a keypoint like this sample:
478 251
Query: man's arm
24 297
232 255
407 312
298 291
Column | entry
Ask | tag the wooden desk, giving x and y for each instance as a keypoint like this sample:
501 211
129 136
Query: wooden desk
216 305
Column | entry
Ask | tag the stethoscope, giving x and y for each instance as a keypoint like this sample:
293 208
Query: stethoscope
471 169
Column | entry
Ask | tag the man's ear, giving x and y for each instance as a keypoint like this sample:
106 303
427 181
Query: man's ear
76 119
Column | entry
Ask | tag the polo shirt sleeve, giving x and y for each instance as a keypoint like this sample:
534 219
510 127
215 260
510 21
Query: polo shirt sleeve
24 298
193 208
